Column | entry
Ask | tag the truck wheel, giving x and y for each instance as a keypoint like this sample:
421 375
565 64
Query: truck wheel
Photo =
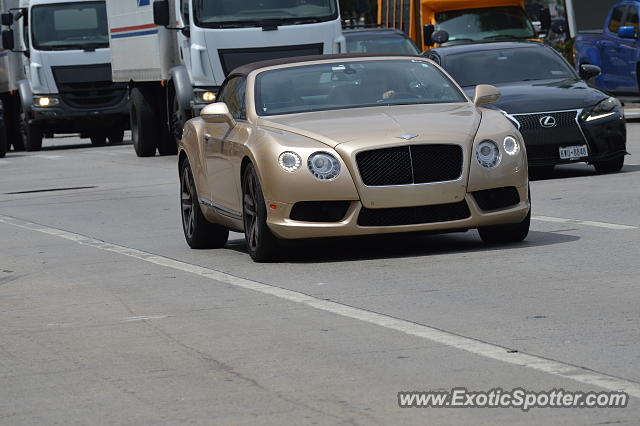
198 231
116 136
98 140
611 166
178 120
31 136
144 130
3 142
261 243
512 233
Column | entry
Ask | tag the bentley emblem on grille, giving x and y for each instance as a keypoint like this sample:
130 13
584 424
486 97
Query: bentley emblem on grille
406 137
548 121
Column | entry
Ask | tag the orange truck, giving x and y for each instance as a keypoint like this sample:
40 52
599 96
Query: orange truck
425 21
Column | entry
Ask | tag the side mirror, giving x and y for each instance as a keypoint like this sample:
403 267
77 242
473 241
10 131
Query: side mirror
427 34
588 71
8 41
558 27
627 32
217 113
7 19
485 95
441 37
161 16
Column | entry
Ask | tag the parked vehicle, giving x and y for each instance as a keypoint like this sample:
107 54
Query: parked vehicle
176 55
349 145
4 146
427 21
563 119
615 49
383 40
58 77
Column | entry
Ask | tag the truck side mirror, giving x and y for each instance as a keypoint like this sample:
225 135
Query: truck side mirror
627 32
441 37
7 19
558 27
545 19
427 33
161 13
588 71
485 95
8 41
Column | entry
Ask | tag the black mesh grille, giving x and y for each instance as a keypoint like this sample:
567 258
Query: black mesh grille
543 143
413 215
88 86
410 164
319 211
498 198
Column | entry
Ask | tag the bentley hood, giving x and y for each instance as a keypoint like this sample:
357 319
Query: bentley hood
383 125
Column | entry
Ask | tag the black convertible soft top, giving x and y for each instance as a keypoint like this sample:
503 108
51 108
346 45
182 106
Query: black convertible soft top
246 69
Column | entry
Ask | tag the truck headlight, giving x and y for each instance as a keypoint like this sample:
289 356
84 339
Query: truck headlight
323 166
206 97
46 101
606 108
488 154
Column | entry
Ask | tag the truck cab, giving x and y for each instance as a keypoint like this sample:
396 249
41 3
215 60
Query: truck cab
615 49
462 21
67 85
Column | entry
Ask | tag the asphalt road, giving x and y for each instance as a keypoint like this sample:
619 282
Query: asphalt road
107 317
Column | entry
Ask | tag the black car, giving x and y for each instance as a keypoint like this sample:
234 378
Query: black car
382 40
562 118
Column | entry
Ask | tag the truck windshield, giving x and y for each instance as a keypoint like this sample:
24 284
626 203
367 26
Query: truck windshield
235 13
502 66
67 26
490 23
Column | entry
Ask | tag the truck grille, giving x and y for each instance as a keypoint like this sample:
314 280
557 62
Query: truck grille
88 86
398 216
543 142
414 164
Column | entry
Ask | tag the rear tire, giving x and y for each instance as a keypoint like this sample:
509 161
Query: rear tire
198 231
512 233
144 123
611 166
3 142
261 243
116 136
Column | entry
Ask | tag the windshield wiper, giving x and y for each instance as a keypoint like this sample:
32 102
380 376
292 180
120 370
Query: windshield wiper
505 36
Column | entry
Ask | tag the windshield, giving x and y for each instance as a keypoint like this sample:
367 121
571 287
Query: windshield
236 13
377 44
352 85
70 26
493 23
507 66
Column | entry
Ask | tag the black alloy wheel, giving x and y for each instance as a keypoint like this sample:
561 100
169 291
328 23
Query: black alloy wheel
261 243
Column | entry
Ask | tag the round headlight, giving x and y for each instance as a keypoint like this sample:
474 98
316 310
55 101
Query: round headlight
511 145
289 161
323 166
488 154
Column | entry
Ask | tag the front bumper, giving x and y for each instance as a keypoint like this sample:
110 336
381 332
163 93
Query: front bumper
606 139
63 118
283 227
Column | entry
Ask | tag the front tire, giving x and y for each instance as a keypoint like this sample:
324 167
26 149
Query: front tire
144 123
116 136
261 243
98 140
31 136
198 231
501 234
611 166
3 142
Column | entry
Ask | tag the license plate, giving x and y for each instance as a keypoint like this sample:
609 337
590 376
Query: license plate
573 152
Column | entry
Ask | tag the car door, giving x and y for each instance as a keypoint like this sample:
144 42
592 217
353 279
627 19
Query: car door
612 53
223 150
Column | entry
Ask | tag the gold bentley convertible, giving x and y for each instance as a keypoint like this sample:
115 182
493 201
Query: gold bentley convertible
346 145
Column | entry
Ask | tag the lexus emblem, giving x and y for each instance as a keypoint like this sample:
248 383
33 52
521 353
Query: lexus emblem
548 121
407 137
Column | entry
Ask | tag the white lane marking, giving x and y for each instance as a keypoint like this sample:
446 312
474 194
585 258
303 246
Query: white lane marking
583 222
48 157
146 317
468 344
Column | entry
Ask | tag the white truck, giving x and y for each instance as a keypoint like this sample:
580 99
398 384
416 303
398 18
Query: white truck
56 75
175 54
